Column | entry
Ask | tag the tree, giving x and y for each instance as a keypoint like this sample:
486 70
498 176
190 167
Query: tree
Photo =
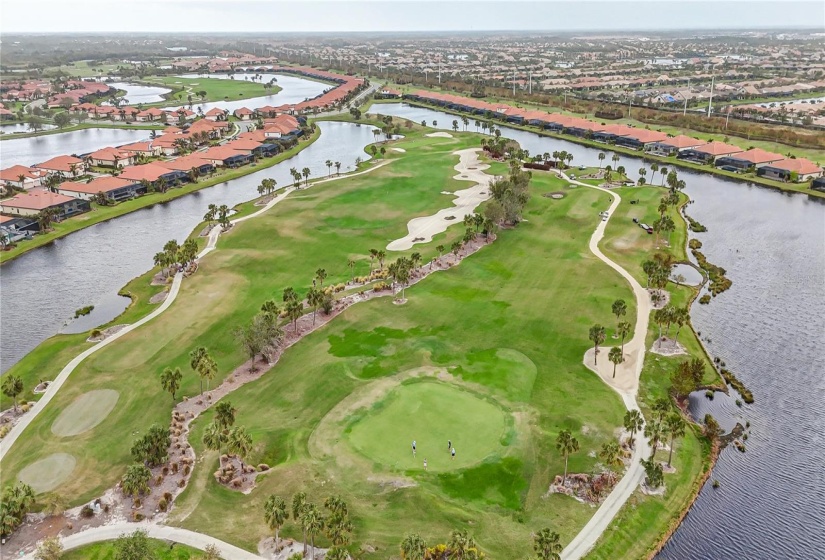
321 275
214 437
329 163
597 337
262 335
314 299
239 442
616 357
633 422
681 315
654 432
14 505
601 159
351 265
49 549
712 428
53 504
153 446
62 120
136 480
275 515
135 546
623 329
313 522
566 444
306 172
460 544
381 256
170 380
196 356
619 309
611 453
654 167
12 387
337 167
654 474
225 414
675 428
413 546
294 310
299 505
546 544
223 215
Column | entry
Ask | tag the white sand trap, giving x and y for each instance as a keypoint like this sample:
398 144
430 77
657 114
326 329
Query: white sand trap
87 411
466 201
49 472
439 135
401 150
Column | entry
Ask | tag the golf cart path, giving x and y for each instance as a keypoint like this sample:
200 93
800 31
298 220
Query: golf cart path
626 383
7 442
423 228
161 532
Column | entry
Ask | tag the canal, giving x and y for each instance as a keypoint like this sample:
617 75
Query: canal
767 329
41 289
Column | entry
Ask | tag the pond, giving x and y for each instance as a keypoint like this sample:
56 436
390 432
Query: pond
37 149
139 93
19 128
689 275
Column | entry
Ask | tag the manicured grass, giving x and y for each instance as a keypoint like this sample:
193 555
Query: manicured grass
217 89
102 213
431 414
106 551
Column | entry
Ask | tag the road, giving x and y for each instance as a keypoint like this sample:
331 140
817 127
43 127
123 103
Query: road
161 532
626 383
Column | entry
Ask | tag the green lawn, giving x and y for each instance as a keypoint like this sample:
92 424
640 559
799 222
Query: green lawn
106 551
102 213
217 89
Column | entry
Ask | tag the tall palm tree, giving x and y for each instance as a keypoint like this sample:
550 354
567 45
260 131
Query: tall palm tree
597 337
681 316
373 255
225 414
616 357
170 380
207 368
381 256
633 422
329 164
546 544
321 275
351 265
293 172
12 387
275 515
566 444
294 310
611 453
337 167
299 505
413 546
314 523
239 442
675 428
619 309
615 158
623 329
654 167
601 158
664 175
654 431
214 437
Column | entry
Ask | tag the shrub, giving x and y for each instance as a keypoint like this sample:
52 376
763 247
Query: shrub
86 511
263 467
137 516
186 470
96 333
705 299
381 286
162 504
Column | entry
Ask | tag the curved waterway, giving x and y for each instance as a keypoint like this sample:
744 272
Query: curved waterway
767 329
42 288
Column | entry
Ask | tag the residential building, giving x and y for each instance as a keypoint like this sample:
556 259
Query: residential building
784 170
22 177
115 189
35 201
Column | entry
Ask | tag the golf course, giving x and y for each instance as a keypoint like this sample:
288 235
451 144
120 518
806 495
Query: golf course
486 355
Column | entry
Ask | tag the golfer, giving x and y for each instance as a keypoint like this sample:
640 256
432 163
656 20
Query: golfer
425 464
453 452
449 445
413 448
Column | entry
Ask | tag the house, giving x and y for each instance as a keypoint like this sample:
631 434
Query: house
268 111
114 189
213 129
64 165
612 132
145 149
670 146
243 113
750 159
216 114
188 163
35 201
800 169
388 93
111 157
818 184
5 114
15 228
154 173
225 156
150 115
638 138
708 153
22 177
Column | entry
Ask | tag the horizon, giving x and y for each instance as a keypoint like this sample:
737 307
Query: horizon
404 16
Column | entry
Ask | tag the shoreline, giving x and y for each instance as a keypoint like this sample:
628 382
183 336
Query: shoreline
81 126
171 194
749 181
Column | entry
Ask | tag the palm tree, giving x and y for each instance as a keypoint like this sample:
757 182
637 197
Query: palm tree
207 368
566 444
633 422
12 387
616 357
337 167
597 337
314 523
293 172
675 428
415 260
664 174
619 308
440 250
654 432
373 255
546 544
299 505
681 315
314 299
460 544
321 275
455 126
170 380
623 329
351 265
239 442
136 480
601 158
413 546
306 173
654 167
611 453
381 255
225 414
615 158
329 165
294 310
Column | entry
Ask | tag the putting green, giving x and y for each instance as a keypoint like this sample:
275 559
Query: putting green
47 473
86 411
430 413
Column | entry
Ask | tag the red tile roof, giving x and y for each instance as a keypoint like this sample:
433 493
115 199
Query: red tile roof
60 163
149 172
757 156
36 199
718 149
681 142
12 173
101 184
799 165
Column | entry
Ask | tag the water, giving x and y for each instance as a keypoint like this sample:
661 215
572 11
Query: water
767 328
692 277
18 128
43 288
137 93
37 149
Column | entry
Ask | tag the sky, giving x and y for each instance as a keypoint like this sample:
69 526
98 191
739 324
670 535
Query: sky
402 15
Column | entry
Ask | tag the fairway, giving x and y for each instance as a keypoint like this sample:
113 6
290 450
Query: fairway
431 413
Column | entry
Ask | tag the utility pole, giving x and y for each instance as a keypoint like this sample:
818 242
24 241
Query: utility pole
514 82
530 82
710 101
684 112
629 105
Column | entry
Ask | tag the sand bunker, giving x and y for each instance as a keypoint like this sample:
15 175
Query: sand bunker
401 150
87 411
48 473
422 230
439 135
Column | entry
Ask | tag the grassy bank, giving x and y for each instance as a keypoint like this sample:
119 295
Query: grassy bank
162 550
217 89
103 213
82 126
